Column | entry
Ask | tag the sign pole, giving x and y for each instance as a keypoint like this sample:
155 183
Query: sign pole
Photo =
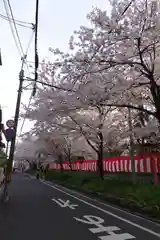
7 149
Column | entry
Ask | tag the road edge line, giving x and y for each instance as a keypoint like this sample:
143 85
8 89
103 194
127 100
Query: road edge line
114 207
103 210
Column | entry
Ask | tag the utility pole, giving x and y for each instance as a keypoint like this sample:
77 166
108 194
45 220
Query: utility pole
36 51
0 58
131 147
16 118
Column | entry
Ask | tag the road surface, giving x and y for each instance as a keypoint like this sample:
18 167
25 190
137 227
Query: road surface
42 211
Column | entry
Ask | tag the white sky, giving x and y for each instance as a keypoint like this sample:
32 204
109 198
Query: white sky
57 21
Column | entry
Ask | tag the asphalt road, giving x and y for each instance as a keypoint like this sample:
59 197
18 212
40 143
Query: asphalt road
42 211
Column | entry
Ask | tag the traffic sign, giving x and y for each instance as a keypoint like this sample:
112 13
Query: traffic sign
10 123
9 134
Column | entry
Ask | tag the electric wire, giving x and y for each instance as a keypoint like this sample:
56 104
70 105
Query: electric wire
20 50
20 44
24 119
42 63
18 37
28 85
17 23
27 49
12 30
16 20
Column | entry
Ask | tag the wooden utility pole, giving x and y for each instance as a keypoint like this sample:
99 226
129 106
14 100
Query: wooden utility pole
16 118
11 155
0 58
36 51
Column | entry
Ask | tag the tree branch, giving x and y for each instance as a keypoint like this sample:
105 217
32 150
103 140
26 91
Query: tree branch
83 133
132 107
141 56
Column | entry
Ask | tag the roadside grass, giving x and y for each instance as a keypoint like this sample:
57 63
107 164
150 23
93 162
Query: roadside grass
143 198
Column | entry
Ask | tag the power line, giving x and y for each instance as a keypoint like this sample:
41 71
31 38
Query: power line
29 43
20 50
28 46
23 56
17 111
15 27
24 119
17 23
11 27
42 63
27 49
28 85
35 28
16 20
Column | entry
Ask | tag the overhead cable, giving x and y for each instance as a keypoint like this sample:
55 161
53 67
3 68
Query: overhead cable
17 22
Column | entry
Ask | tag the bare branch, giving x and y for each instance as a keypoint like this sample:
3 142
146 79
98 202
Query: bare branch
132 107
84 134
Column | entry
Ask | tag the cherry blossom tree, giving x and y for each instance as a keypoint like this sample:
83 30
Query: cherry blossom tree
32 150
111 66
67 116
123 44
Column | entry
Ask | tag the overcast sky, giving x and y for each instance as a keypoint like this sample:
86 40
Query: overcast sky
57 21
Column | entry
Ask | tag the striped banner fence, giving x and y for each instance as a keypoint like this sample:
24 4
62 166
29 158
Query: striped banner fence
148 163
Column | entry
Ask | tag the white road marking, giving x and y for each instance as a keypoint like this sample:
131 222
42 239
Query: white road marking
97 221
109 206
64 204
103 210
122 236
104 229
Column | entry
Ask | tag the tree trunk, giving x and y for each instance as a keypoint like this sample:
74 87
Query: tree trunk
60 162
70 163
155 91
81 162
100 157
131 149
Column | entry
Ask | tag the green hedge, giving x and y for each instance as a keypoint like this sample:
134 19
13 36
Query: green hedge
142 198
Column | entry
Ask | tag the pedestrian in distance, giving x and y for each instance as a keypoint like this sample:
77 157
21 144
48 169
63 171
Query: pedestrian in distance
46 171
37 172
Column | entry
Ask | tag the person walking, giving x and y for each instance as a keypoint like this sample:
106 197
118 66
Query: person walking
46 167
37 171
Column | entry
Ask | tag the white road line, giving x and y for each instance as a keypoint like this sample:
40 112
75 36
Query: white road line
109 206
103 210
